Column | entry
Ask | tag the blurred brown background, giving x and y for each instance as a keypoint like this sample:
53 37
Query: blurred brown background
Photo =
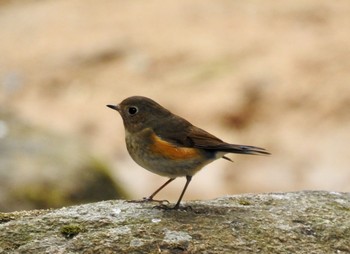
265 73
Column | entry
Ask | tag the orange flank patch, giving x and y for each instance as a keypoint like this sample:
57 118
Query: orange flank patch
171 151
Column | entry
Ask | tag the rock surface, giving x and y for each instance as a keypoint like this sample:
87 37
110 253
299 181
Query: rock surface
299 222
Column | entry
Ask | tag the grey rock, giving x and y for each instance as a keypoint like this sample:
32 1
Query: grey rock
299 222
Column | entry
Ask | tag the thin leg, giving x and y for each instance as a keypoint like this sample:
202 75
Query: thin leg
150 198
188 180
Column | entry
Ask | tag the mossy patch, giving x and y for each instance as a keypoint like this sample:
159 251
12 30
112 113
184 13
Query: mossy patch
71 230
244 202
6 217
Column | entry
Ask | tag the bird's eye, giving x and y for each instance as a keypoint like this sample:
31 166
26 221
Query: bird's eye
132 110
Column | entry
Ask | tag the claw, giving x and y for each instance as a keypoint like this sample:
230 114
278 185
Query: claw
146 200
167 208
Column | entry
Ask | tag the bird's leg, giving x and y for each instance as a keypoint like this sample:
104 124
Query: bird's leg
150 198
188 180
177 206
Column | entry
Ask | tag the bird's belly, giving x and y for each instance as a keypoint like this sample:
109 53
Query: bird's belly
166 159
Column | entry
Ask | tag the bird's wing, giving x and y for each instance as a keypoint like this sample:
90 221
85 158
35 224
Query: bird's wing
174 130
205 140
180 132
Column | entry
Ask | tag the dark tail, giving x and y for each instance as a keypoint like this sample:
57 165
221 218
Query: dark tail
242 149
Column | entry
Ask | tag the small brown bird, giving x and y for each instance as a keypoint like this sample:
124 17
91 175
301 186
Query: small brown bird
169 145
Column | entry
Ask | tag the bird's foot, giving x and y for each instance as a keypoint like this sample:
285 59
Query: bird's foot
176 207
147 200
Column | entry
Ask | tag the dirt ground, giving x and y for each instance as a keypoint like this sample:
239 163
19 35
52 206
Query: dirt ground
265 73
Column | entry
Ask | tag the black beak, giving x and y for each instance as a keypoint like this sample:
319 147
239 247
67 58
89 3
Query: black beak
115 107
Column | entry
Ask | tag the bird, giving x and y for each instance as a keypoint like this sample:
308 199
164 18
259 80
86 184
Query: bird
169 145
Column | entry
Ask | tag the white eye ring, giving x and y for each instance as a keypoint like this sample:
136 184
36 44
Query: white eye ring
133 110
